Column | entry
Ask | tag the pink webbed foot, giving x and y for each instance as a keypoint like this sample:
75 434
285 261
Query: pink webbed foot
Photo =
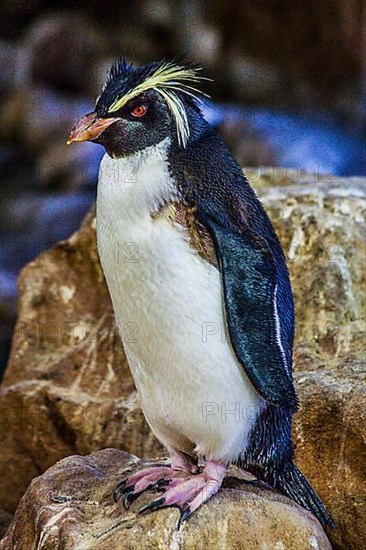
190 492
185 490
155 477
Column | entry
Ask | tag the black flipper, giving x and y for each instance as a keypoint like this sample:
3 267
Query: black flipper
250 281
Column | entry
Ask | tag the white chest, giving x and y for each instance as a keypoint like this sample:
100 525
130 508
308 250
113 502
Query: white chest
168 305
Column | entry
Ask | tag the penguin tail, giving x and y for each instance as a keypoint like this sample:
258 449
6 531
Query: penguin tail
291 482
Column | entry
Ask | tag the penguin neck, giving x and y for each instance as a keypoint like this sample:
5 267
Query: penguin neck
205 167
137 186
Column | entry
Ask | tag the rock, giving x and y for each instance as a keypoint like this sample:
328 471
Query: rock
37 117
9 54
280 39
322 229
320 221
7 315
14 15
5 519
31 223
330 437
57 58
70 506
68 388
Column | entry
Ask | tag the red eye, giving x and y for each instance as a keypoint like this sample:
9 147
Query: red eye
139 110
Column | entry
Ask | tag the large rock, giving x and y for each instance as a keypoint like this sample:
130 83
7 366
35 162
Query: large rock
5 519
70 506
68 388
322 230
330 437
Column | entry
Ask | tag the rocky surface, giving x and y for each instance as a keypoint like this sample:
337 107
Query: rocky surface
5 519
68 389
70 506
330 437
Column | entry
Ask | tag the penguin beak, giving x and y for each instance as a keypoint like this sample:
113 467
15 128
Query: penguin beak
89 127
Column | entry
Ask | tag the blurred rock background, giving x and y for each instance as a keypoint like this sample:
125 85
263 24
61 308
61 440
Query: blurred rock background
288 91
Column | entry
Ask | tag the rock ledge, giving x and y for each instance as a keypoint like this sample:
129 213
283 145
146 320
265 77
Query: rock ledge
70 507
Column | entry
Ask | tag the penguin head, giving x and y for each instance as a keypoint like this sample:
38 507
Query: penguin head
141 106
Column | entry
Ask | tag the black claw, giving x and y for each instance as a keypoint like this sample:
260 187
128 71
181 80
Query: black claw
129 497
153 505
184 514
121 489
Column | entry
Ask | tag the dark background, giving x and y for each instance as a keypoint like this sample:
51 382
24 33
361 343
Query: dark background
287 91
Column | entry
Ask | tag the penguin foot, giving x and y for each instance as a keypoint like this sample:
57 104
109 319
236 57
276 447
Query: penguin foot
155 477
188 493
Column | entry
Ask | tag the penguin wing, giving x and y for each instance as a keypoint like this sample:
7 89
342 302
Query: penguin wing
249 280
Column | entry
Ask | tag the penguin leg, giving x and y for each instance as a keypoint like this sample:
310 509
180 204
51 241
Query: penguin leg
190 492
157 477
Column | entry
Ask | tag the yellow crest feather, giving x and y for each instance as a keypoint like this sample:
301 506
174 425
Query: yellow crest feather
167 79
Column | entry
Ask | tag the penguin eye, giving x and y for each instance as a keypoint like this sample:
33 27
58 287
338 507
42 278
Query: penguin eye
139 111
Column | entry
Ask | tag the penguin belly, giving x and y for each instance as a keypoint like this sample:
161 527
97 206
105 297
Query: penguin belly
169 307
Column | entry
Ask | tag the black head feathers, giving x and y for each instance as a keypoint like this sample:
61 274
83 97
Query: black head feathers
172 80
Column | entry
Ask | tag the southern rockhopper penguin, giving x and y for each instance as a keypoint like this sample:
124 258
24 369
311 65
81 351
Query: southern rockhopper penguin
201 278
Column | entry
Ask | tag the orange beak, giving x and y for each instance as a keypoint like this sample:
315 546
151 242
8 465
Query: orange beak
89 127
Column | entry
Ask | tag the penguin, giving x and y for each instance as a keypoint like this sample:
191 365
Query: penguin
200 290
